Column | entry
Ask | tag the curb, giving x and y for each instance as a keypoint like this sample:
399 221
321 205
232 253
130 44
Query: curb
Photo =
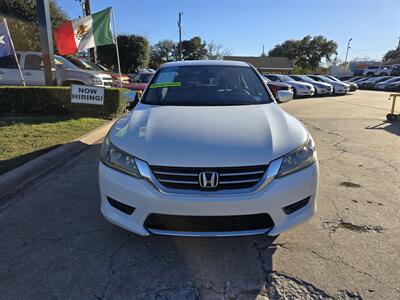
14 180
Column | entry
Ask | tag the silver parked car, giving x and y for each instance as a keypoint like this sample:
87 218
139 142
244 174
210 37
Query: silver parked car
32 69
321 88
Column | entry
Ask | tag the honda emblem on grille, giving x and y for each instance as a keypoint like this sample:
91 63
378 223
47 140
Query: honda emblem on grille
208 179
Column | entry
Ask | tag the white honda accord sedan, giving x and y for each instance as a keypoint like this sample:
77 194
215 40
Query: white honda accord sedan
208 152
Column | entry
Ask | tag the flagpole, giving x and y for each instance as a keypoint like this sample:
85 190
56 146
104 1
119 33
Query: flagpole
116 46
15 53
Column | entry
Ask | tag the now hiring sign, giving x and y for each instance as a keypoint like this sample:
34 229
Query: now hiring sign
87 94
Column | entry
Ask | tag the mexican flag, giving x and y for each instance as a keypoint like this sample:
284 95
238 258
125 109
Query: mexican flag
87 32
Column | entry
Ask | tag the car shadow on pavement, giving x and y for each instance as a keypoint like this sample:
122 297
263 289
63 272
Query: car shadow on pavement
192 268
392 127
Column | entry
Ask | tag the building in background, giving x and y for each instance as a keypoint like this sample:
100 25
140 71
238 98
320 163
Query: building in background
266 64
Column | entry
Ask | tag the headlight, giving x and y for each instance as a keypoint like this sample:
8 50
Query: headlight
94 80
118 160
298 159
117 82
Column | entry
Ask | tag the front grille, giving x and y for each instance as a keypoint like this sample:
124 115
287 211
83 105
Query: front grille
107 82
229 177
208 223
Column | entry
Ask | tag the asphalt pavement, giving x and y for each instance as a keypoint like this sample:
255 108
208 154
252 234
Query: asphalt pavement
55 244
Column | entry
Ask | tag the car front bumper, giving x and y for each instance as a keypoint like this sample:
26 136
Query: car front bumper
323 91
146 199
305 92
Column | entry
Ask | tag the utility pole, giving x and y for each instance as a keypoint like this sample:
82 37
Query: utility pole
92 51
180 35
348 47
46 40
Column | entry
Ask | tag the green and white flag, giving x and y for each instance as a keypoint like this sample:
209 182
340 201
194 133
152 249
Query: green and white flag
83 33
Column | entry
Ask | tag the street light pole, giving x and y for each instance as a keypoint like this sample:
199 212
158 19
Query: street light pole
180 35
46 40
347 50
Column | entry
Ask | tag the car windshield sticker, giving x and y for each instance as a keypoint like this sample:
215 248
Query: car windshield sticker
165 84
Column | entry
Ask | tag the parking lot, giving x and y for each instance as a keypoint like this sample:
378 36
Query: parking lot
54 242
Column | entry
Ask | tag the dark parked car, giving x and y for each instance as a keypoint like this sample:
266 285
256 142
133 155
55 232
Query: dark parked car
277 86
370 84
344 78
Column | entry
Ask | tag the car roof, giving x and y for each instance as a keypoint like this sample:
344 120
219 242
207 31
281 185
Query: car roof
205 63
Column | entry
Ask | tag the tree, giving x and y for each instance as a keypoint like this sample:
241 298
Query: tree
134 52
306 53
216 51
194 49
23 24
392 54
162 52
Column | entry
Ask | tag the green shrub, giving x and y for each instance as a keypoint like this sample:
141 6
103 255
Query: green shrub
57 100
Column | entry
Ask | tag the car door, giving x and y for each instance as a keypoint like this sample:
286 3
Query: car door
9 73
33 70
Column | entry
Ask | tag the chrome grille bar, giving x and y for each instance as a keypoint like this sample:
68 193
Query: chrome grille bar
187 178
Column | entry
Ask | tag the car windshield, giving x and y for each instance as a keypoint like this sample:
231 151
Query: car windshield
143 78
63 63
394 79
333 78
91 66
266 79
285 78
311 78
206 85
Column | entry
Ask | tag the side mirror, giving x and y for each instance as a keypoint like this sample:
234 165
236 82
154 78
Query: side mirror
130 96
284 96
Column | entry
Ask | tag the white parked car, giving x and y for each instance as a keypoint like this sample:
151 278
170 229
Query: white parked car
374 70
338 87
32 68
321 88
299 88
208 152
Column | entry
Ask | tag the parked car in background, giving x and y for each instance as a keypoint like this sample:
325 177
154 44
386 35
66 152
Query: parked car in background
345 77
358 81
358 72
339 88
393 87
140 80
370 84
353 78
208 152
352 85
299 88
381 86
321 88
32 68
389 71
88 65
371 70
278 86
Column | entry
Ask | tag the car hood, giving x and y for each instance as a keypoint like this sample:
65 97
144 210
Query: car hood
216 136
339 84
135 86
88 72
279 84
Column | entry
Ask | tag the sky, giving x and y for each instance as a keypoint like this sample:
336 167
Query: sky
244 27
